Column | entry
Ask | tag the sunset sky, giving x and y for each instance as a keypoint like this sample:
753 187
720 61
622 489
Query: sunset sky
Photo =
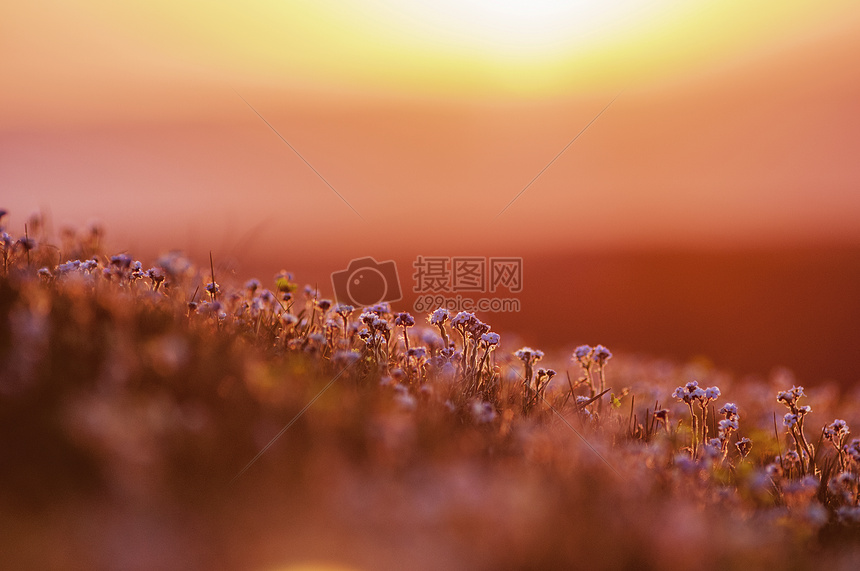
736 123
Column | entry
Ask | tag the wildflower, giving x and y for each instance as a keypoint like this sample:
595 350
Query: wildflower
122 261
45 273
477 328
836 430
490 338
213 288
27 244
137 272
837 433
529 357
462 319
544 376
730 409
853 450
794 422
439 316
380 309
382 327
726 425
790 396
712 393
344 309
417 352
713 449
680 394
449 354
601 354
156 275
744 445
527 354
284 282
252 285
689 392
582 351
582 355
404 319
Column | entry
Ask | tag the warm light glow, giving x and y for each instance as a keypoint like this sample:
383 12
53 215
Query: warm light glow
530 27
737 118
452 48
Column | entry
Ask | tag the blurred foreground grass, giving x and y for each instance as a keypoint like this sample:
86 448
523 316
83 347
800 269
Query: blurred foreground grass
140 411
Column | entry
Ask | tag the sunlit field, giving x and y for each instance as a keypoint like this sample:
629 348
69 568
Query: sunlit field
360 285
157 416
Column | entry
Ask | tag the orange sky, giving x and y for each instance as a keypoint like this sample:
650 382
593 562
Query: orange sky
737 124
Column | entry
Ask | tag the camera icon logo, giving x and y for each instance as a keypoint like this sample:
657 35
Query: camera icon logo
367 282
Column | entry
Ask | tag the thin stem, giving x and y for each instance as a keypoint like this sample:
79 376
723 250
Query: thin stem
695 420
212 268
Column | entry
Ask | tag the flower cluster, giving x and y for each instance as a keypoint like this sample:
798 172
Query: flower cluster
793 420
593 362
728 424
427 376
692 392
